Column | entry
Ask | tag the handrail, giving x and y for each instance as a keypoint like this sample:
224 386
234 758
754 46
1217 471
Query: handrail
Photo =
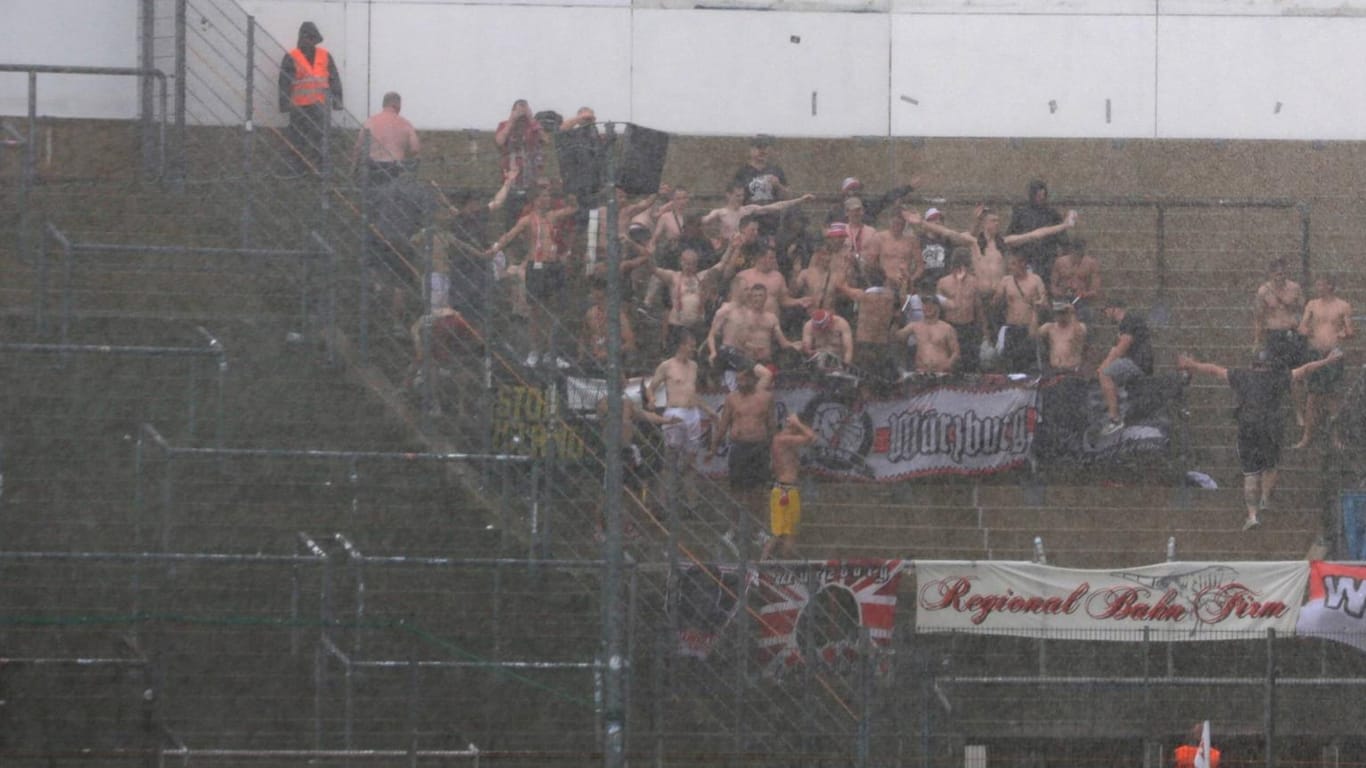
326 453
70 248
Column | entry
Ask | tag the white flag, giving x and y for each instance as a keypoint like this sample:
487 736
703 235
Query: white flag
1202 755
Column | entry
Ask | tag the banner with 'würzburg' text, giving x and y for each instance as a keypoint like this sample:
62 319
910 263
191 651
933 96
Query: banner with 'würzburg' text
1336 608
944 430
1172 601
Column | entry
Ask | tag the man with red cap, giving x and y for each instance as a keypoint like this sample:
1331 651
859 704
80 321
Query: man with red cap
308 85
828 338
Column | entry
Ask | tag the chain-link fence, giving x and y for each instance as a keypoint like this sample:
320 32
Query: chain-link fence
528 589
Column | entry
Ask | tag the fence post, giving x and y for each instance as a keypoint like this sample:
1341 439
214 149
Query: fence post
248 132
1269 716
1160 257
27 174
1305 267
613 745
866 651
413 683
179 170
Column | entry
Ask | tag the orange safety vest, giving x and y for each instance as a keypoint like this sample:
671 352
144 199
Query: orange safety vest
1185 756
311 82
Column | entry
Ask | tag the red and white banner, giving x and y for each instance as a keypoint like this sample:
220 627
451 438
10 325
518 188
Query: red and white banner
1172 601
818 610
1336 608
944 430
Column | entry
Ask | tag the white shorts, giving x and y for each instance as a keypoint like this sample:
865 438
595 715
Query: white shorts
686 435
441 291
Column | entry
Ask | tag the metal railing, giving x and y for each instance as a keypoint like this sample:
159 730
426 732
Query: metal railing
212 350
195 261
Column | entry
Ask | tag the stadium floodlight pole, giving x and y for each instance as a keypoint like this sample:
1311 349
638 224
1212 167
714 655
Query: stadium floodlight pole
614 674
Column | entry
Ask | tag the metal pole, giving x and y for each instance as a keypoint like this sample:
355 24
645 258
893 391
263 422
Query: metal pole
632 592
40 303
425 325
1160 258
148 33
1304 243
66 291
192 384
364 250
248 132
167 493
179 172
613 741
1147 701
413 683
865 724
1269 716
26 176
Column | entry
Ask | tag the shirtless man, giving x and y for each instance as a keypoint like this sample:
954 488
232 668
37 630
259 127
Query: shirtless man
1065 337
683 436
785 500
595 327
669 224
765 272
733 211
746 332
817 282
545 271
1076 278
877 304
899 252
1327 322
962 309
747 420
989 260
691 292
1023 294
863 246
828 336
632 462
936 344
1276 317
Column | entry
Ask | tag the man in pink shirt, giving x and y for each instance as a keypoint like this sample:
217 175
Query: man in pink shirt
389 140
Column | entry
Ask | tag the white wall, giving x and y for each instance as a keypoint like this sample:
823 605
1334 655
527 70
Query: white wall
1020 68
61 32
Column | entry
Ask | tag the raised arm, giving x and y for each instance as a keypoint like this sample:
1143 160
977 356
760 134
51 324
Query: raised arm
1068 221
781 205
501 196
1301 373
1187 363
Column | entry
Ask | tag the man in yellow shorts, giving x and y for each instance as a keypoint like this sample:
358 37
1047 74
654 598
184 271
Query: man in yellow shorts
785 500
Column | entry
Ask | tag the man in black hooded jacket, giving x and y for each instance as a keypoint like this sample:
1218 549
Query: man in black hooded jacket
308 86
1036 213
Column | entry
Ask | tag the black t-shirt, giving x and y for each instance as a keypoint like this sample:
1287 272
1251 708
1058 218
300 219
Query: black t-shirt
758 190
1028 218
935 253
1141 348
1260 394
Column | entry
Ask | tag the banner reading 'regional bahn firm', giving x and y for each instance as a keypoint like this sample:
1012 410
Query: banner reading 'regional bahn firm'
1171 601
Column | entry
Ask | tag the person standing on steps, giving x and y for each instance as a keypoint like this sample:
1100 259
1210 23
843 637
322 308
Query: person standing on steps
1260 392
785 500
308 85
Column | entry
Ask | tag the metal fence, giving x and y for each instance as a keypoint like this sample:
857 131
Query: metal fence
532 603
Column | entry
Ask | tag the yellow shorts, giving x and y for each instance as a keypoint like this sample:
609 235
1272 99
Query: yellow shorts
784 510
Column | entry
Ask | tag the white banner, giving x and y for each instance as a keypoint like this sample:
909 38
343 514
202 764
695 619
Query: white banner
1336 608
1172 601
